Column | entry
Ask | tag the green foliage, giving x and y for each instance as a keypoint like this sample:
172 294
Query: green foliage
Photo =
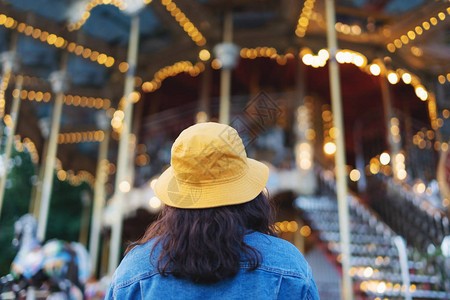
65 208
15 204
65 211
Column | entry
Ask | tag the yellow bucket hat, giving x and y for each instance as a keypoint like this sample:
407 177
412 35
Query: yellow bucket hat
210 168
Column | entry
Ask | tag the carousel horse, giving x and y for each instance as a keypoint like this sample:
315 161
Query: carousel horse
57 266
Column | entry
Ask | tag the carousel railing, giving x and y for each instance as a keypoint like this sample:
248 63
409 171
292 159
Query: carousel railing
410 214
376 265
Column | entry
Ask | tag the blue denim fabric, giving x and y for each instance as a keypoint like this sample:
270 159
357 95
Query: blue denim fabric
283 274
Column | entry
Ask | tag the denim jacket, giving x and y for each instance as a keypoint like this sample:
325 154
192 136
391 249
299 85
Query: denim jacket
283 274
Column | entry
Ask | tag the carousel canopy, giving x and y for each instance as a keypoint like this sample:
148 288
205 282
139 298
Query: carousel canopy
411 35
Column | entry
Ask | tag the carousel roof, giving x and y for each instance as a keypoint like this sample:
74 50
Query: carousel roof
363 24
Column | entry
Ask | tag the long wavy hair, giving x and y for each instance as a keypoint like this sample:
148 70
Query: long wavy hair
207 245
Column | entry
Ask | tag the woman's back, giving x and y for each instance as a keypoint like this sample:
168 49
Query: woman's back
282 274
214 237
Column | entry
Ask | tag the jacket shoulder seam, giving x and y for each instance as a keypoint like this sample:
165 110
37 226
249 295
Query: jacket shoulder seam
276 271
135 279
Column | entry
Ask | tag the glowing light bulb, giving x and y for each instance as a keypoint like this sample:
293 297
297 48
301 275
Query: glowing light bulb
355 175
358 60
307 59
406 77
401 174
392 77
124 186
420 187
375 69
323 53
329 148
421 93
340 57
385 158
204 55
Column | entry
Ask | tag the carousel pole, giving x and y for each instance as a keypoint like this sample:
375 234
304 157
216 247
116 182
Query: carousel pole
435 98
59 85
9 142
393 142
86 201
205 89
341 176
123 156
225 75
36 192
99 201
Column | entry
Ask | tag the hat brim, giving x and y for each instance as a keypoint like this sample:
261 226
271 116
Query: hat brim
195 195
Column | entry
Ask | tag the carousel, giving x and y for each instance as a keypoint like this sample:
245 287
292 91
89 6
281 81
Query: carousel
347 101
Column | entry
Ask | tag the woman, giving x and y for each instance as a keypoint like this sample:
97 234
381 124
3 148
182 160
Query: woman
214 238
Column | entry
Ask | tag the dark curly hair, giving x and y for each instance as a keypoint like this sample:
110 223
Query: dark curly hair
206 245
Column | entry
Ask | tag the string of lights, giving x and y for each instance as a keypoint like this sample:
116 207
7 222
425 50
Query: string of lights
269 52
120 4
303 20
417 31
74 179
71 100
184 22
171 71
57 41
27 144
90 102
309 59
348 29
442 78
408 78
81 137
253 53
306 55
30 80
171 7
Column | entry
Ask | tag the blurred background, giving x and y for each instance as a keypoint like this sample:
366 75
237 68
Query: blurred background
94 92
